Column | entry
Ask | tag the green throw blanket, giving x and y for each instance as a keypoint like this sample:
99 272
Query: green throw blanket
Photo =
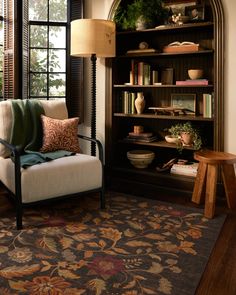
27 133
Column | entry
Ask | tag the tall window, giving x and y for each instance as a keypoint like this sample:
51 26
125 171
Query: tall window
47 49
36 52
1 49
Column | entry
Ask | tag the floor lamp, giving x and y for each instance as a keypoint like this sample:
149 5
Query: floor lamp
93 38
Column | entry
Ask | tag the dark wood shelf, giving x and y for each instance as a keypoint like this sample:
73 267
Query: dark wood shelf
161 54
170 28
164 117
161 86
160 143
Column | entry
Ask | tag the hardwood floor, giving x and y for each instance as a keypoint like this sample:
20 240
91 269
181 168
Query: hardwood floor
219 277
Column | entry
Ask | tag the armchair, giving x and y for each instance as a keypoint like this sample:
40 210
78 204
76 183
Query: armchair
62 177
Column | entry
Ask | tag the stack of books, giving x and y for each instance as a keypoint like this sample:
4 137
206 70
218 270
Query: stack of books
192 82
186 169
142 137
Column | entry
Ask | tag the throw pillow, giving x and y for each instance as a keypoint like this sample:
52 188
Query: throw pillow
60 134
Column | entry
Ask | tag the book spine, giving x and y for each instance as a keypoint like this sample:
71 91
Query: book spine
140 73
207 105
146 74
192 82
133 94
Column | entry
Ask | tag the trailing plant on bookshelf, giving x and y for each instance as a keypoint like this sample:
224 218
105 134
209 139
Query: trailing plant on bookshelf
151 12
189 136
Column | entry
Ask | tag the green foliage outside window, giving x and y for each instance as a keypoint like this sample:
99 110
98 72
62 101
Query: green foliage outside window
43 39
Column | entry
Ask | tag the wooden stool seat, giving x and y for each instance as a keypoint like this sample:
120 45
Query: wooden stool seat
207 178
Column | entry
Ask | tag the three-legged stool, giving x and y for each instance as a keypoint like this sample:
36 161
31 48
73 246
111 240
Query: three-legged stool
207 175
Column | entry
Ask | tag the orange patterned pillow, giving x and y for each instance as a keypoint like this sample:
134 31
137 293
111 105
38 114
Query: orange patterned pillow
60 134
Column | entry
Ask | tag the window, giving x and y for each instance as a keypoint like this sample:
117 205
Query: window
37 61
47 49
1 49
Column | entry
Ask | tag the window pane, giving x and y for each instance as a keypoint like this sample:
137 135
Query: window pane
38 60
38 84
1 79
1 7
57 84
1 58
58 10
57 37
57 60
1 32
38 10
38 36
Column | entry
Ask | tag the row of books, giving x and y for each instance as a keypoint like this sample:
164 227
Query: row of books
186 169
207 105
140 73
128 99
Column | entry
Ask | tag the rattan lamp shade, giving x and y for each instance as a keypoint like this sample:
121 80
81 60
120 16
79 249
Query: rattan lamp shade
92 36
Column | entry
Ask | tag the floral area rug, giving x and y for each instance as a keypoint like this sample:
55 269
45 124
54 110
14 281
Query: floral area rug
136 246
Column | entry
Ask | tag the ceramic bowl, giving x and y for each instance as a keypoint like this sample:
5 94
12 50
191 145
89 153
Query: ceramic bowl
195 73
140 158
171 139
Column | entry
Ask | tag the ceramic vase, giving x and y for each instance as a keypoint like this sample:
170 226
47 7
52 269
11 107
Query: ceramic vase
139 103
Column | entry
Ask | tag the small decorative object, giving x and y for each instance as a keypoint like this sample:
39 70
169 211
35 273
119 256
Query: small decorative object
185 46
188 134
195 12
141 23
195 73
140 158
139 103
167 76
143 45
138 129
180 19
187 101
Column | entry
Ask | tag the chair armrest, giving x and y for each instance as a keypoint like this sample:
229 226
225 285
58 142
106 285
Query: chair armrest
14 149
16 160
99 145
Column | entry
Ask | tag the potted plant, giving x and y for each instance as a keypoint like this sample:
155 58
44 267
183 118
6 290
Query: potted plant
187 134
132 16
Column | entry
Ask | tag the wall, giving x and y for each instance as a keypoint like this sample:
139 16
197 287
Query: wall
101 8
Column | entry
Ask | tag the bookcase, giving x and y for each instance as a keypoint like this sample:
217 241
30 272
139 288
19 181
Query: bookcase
172 83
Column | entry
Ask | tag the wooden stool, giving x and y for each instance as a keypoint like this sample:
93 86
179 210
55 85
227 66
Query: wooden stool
207 174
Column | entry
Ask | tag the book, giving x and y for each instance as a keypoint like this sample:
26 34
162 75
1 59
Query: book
147 50
187 169
141 139
207 105
193 82
142 134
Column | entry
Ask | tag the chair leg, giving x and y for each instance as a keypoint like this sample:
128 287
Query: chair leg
102 199
19 214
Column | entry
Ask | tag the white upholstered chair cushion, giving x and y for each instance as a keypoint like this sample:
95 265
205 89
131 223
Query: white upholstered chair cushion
40 182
